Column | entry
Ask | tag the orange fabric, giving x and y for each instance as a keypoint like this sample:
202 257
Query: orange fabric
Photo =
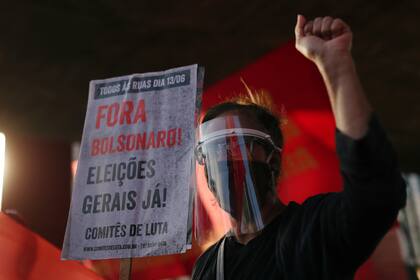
26 255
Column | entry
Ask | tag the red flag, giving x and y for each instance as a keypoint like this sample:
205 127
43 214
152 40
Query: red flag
26 255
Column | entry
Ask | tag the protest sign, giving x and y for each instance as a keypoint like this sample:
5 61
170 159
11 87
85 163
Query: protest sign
131 194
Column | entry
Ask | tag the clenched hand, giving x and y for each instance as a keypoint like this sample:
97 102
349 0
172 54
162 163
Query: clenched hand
323 38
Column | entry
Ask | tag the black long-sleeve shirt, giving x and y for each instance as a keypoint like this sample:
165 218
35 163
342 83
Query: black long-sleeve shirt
330 235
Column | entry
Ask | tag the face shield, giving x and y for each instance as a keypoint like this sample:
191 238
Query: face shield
238 190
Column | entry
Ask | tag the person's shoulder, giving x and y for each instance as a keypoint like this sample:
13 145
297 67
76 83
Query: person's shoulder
303 218
319 199
205 259
312 201
312 205
208 252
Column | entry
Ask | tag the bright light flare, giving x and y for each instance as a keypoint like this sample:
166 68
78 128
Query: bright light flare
2 161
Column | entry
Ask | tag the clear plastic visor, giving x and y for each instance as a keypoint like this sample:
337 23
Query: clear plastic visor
235 182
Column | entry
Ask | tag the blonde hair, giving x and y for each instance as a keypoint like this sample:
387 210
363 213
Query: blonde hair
260 97
257 102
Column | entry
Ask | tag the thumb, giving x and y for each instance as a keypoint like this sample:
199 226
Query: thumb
300 23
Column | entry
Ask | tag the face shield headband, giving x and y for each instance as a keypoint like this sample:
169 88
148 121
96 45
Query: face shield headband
237 165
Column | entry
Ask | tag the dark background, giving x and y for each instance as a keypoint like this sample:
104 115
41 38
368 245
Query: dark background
50 50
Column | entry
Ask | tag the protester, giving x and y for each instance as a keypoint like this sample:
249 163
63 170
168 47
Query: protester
330 235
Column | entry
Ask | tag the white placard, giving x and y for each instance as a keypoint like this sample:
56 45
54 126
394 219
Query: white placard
131 193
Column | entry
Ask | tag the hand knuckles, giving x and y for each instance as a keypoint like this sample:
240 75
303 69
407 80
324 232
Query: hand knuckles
328 18
338 21
317 27
327 22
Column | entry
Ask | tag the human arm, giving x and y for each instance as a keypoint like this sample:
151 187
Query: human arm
354 220
327 42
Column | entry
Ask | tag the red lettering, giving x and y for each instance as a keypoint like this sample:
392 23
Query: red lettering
140 113
121 114
111 145
95 147
151 142
131 141
112 116
104 145
100 115
121 140
141 141
161 138
134 142
171 140
127 108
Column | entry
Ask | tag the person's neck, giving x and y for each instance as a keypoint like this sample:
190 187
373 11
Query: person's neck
272 212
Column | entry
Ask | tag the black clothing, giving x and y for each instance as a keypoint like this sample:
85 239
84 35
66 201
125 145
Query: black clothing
330 235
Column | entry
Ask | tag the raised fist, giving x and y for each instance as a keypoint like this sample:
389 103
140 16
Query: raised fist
322 38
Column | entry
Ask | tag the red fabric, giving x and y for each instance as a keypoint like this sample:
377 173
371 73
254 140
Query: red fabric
25 255
151 268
